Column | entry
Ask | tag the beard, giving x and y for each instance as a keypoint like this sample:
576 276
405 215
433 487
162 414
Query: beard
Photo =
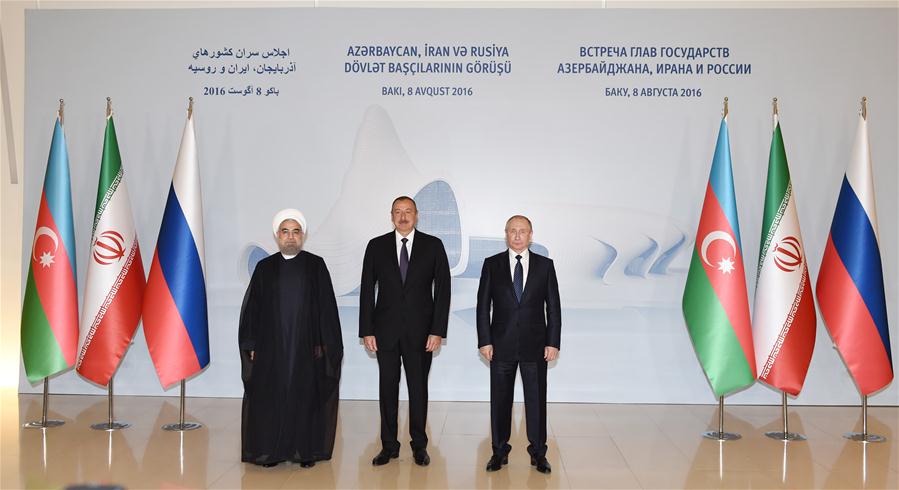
290 248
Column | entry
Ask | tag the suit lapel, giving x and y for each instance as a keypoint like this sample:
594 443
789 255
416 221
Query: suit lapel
533 265
390 246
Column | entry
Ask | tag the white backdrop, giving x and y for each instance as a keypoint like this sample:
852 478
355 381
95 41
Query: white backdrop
610 161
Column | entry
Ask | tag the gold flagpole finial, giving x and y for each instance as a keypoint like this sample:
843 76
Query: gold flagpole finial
774 103
60 112
725 107
865 108
190 107
108 106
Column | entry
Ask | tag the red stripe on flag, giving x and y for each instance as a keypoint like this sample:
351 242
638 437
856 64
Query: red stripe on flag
792 360
850 324
167 338
55 283
116 329
729 287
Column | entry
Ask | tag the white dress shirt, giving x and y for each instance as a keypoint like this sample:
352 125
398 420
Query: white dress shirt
525 256
399 243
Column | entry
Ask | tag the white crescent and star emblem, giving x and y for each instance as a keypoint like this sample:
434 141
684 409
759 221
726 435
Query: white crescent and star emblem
726 264
47 256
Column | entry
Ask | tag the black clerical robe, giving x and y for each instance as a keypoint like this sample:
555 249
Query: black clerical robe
289 320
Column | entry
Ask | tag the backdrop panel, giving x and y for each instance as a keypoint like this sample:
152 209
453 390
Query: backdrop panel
599 125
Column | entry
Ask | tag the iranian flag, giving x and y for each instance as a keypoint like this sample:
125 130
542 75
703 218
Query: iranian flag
783 323
50 310
716 304
115 273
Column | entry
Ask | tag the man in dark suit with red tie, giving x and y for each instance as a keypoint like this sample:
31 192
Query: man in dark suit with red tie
404 322
519 322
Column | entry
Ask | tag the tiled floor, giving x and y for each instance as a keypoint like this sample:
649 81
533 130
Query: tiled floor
590 446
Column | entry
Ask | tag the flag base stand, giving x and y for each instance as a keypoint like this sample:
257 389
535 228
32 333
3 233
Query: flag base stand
720 435
785 435
111 424
181 425
44 422
863 436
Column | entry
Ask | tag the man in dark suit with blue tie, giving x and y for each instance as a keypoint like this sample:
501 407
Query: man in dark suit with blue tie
519 322
404 322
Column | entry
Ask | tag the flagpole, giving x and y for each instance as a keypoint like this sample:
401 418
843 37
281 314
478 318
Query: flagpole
44 423
775 113
108 106
720 435
786 435
725 108
110 425
864 436
182 426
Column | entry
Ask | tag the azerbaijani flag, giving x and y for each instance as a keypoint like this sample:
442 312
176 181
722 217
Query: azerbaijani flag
175 317
115 272
716 304
50 310
783 322
850 283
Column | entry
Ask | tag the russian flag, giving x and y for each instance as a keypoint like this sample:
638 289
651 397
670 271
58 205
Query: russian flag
850 284
174 309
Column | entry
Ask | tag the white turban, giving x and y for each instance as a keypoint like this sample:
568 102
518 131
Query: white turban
285 214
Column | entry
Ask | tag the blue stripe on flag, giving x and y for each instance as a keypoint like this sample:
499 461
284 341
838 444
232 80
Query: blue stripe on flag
856 244
180 264
721 178
58 191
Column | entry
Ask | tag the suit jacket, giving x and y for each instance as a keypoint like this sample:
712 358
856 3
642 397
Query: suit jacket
519 331
414 309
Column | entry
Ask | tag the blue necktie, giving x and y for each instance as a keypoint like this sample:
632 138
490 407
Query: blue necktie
404 260
518 278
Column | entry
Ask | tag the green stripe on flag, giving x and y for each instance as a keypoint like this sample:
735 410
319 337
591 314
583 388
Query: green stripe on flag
712 334
110 168
777 190
40 349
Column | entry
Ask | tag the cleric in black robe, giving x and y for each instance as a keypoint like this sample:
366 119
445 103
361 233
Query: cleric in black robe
291 353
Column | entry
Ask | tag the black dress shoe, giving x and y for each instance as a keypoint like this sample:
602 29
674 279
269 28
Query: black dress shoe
421 457
496 463
268 465
307 464
384 457
542 465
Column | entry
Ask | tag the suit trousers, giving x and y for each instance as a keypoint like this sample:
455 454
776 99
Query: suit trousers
416 363
502 392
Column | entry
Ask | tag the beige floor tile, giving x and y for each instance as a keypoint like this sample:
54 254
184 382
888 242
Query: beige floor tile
469 419
650 452
243 475
575 420
705 479
590 446
601 478
590 453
